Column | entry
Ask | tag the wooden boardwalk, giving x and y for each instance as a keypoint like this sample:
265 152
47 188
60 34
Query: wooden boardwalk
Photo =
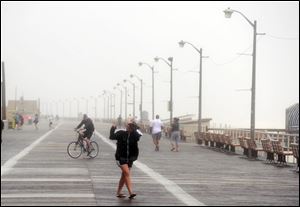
194 176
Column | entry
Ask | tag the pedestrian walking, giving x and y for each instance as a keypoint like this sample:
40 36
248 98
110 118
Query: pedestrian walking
50 121
175 134
119 125
126 153
36 121
156 128
17 121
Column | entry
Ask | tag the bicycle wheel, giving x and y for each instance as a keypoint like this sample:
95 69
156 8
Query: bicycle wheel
74 150
95 150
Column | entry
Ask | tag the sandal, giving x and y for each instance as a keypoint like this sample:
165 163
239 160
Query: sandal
132 196
172 149
121 195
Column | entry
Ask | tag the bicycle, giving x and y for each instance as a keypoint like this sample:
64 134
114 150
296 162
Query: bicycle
76 148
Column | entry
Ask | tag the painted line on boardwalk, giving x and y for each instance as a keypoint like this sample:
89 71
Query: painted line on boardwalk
9 164
47 195
73 180
170 186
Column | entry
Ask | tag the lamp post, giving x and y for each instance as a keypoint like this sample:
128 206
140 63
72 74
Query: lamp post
151 68
125 88
105 92
111 104
141 104
228 12
170 64
121 97
99 96
103 95
87 105
133 99
76 99
95 99
70 106
181 44
63 108
3 92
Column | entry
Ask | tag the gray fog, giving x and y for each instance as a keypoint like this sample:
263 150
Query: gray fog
58 51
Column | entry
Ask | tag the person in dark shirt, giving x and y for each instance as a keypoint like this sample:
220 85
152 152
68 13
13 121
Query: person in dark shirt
36 121
175 134
88 130
126 153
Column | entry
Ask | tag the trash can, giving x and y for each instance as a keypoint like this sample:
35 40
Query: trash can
11 124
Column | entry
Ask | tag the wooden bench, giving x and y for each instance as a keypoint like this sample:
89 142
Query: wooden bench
217 140
210 137
206 138
183 135
253 147
281 154
243 145
267 147
295 149
199 137
230 143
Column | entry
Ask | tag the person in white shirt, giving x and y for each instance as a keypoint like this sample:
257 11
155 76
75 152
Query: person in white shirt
156 128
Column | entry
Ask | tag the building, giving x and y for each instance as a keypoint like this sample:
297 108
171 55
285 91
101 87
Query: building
292 119
27 108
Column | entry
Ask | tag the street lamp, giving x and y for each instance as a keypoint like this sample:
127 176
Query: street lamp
87 104
95 99
63 108
133 85
125 87
181 44
141 104
104 110
151 68
228 12
70 107
170 64
112 98
76 99
105 92
121 98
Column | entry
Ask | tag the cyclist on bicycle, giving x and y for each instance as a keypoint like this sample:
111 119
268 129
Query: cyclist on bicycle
89 130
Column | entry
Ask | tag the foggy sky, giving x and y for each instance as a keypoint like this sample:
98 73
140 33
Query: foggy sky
57 51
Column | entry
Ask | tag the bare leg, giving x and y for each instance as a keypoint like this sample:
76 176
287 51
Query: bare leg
121 184
127 179
88 142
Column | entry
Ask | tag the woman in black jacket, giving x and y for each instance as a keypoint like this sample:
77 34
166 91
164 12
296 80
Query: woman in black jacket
126 153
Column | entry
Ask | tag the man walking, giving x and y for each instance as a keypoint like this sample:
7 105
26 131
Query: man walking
156 128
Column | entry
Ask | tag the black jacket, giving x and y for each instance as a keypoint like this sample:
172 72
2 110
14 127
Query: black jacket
127 144
88 125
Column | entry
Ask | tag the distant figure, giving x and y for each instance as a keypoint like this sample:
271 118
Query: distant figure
119 125
156 128
17 121
50 122
21 120
175 134
36 121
